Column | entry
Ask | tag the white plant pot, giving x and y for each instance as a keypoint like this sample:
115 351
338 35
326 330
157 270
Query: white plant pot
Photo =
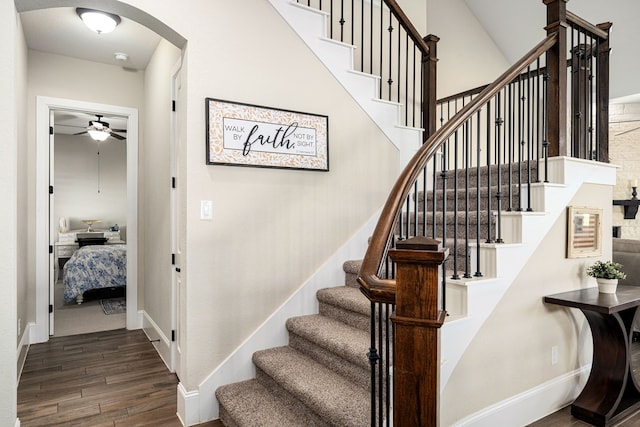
607 286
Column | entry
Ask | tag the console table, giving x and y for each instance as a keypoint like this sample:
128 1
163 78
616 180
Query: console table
611 392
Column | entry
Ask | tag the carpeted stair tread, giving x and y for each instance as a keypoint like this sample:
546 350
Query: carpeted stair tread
343 340
335 399
345 297
250 404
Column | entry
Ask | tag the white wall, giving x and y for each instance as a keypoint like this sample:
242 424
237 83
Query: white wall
467 55
11 214
90 181
155 185
271 228
69 78
511 354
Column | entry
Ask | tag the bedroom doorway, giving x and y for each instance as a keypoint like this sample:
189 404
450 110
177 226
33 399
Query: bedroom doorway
48 225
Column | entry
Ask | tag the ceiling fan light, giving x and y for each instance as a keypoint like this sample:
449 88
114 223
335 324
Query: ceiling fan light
98 135
100 22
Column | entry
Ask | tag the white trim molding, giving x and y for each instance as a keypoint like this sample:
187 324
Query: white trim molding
531 405
44 105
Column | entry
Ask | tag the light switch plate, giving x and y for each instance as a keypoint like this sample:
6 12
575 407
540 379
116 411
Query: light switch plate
206 210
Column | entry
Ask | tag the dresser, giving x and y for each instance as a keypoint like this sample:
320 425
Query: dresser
67 244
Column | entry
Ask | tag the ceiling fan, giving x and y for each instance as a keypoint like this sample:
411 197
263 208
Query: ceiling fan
99 130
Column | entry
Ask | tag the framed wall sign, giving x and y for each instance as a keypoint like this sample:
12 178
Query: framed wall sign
250 135
584 232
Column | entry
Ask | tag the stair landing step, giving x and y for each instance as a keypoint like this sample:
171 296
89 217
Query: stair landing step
333 398
250 404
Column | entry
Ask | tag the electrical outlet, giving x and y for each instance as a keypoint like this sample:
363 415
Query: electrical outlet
19 326
554 354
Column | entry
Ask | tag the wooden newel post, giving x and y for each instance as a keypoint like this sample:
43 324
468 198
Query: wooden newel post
557 84
429 85
418 317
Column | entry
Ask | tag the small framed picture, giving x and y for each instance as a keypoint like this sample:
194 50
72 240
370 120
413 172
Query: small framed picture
584 232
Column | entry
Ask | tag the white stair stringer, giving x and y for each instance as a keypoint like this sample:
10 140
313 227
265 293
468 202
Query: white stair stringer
501 263
311 25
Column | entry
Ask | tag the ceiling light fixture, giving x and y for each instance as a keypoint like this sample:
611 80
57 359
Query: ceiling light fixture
98 21
98 130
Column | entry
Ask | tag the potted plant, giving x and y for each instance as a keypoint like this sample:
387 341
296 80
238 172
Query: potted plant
607 274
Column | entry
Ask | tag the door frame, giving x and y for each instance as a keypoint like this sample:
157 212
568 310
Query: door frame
176 279
44 105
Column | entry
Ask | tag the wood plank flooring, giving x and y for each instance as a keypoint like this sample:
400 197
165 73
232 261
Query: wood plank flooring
111 378
116 378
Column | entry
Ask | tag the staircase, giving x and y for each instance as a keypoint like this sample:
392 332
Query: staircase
320 379
323 377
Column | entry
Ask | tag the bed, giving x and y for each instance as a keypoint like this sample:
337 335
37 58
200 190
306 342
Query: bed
94 268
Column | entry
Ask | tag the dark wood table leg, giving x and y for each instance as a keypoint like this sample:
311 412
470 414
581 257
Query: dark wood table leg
611 392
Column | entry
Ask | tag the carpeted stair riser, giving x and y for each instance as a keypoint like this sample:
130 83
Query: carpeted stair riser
346 304
508 200
408 225
473 176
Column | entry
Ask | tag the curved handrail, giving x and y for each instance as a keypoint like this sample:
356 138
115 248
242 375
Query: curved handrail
383 290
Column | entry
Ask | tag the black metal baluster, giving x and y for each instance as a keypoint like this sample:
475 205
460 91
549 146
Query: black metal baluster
370 39
511 137
373 360
467 149
362 35
331 18
545 121
597 89
591 99
353 21
380 370
406 80
489 234
478 273
538 139
530 138
498 123
414 90
381 51
521 139
455 206
390 29
342 21
389 336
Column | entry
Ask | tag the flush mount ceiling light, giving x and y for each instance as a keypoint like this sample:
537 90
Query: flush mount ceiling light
98 21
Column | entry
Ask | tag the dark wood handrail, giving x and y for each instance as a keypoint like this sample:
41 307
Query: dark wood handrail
408 26
383 290
587 26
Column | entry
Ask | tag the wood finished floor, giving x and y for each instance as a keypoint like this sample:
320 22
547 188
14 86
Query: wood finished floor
111 378
116 379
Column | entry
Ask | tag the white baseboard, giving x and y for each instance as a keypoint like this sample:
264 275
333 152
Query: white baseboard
17 422
532 405
25 341
188 406
158 338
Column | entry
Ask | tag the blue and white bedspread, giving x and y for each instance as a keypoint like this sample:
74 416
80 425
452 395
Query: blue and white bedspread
92 267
